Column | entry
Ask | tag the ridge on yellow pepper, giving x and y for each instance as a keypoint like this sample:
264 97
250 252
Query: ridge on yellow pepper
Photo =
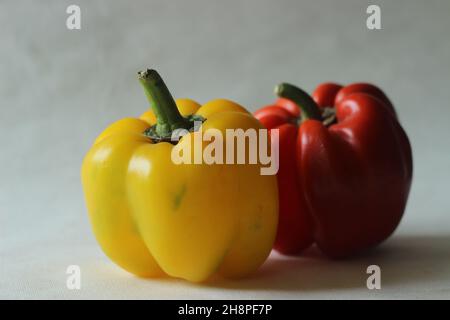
153 217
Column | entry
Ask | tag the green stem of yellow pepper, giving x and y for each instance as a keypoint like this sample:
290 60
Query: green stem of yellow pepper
168 118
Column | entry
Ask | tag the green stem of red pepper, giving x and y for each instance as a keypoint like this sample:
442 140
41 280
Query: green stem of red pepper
168 118
310 110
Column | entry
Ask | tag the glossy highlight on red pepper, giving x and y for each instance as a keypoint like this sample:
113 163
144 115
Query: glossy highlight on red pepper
345 167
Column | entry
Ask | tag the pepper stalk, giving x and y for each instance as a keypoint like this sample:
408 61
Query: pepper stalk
168 118
310 109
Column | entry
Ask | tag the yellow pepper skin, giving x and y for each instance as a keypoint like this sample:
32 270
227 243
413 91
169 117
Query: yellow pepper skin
153 217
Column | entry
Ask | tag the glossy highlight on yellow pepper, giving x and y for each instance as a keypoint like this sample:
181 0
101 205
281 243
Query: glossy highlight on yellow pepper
153 217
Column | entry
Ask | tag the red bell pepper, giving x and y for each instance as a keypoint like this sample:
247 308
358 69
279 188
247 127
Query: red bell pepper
345 167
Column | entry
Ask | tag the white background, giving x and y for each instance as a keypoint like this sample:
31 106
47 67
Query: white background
60 88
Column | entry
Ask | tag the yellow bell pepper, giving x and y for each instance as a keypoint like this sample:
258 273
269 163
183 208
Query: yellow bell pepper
153 217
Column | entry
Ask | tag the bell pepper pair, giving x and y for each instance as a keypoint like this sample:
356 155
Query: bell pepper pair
153 217
344 174
345 167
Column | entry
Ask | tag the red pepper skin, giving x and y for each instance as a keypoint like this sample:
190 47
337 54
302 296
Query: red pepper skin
325 93
295 230
352 178
289 106
366 88
273 116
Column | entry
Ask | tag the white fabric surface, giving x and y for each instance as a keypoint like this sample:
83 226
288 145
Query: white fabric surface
60 88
